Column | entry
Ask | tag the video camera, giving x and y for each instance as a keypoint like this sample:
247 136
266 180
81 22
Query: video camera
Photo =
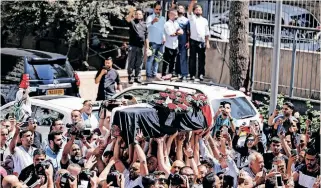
64 180
109 105
40 167
175 179
84 178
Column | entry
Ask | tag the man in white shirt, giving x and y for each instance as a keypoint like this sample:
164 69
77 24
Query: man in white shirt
22 155
199 39
155 25
89 119
172 30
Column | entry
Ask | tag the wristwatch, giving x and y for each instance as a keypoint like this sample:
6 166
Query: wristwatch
231 119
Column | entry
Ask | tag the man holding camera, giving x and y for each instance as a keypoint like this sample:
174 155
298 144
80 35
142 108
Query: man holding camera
38 173
108 80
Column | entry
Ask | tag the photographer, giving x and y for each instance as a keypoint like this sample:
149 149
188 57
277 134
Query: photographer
108 79
38 173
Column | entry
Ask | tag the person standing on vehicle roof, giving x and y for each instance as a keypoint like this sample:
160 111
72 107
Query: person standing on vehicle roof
108 80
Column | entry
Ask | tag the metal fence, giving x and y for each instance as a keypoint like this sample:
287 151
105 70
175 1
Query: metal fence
300 43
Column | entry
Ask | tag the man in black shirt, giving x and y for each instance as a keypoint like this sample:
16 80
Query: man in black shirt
29 175
306 174
107 77
275 148
138 43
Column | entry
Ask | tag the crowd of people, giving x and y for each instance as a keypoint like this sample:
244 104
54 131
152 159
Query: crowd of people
91 152
168 40
274 154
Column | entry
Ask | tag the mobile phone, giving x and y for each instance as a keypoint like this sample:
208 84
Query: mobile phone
310 116
224 130
294 152
279 182
275 167
128 97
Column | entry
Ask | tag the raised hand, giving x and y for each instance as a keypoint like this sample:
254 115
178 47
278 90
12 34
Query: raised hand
91 162
139 136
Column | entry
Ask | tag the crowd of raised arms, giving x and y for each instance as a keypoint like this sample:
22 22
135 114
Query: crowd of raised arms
274 154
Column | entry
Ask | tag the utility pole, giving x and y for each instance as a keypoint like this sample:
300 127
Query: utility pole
276 57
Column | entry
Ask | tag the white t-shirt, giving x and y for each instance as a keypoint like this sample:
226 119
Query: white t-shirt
22 158
170 28
198 27
132 183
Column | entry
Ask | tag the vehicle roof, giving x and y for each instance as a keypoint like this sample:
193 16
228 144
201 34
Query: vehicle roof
33 54
61 102
217 91
271 8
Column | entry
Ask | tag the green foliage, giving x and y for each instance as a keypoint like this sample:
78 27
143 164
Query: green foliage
71 20
264 111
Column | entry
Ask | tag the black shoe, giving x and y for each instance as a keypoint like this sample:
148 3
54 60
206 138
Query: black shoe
130 80
137 81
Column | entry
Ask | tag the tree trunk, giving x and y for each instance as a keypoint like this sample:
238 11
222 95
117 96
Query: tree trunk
239 48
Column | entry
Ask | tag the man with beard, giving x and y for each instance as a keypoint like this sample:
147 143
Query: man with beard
28 175
288 118
108 79
275 149
155 24
199 39
306 174
54 149
133 176
138 43
22 155
223 117
183 44
189 173
75 154
57 126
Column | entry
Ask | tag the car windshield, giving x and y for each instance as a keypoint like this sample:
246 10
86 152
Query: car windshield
49 70
241 107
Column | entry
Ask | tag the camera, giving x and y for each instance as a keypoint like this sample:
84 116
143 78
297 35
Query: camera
85 175
80 134
40 167
175 179
109 105
112 177
64 180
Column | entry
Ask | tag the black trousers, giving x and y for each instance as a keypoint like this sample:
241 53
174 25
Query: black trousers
170 58
199 49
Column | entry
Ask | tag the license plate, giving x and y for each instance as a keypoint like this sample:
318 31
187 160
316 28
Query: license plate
56 92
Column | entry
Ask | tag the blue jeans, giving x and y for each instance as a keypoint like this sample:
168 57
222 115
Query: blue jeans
152 65
181 61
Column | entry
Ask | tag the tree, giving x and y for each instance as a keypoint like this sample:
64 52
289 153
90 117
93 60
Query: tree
238 42
69 20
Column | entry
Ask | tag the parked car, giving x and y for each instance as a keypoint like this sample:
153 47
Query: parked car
47 73
242 109
47 108
265 13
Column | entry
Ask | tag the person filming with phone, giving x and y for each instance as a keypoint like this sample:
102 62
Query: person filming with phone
223 117
108 80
